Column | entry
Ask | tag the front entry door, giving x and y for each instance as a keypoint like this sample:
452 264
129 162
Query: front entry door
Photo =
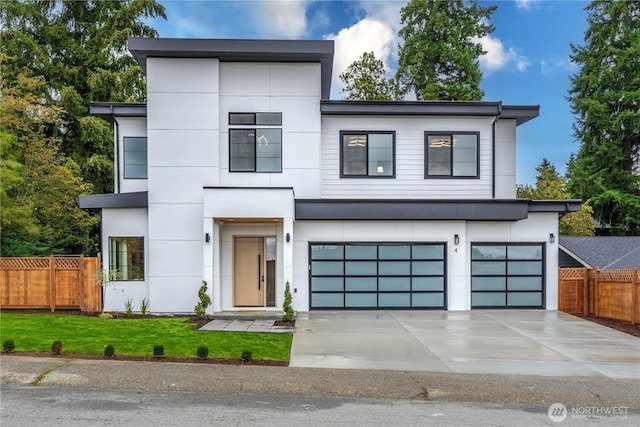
254 271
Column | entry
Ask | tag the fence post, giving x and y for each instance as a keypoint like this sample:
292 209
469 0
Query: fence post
52 283
585 274
81 282
634 297
596 291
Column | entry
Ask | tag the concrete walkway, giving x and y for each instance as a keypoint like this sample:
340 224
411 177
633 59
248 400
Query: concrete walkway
515 342
246 325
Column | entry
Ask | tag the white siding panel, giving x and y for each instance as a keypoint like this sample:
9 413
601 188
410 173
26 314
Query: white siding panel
197 75
174 294
183 148
506 159
129 127
298 80
299 114
176 258
244 78
176 221
178 184
189 111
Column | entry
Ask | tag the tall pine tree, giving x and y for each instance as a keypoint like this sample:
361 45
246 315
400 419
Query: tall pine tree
605 98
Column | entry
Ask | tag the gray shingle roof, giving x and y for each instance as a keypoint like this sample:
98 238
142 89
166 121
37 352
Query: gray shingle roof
605 252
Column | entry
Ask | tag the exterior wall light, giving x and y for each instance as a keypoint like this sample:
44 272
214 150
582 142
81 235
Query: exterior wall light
207 237
552 238
456 239
288 237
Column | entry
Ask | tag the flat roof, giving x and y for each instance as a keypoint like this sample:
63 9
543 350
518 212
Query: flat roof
239 50
109 110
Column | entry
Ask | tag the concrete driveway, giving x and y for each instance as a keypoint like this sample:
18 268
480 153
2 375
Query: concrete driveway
520 342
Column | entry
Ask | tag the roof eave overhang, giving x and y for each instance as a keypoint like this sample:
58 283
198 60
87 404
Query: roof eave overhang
120 200
110 110
239 50
560 206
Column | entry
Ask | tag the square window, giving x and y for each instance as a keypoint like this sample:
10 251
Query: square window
451 154
255 150
126 258
368 154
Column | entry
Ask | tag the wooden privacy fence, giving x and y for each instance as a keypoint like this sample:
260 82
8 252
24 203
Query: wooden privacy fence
613 294
66 282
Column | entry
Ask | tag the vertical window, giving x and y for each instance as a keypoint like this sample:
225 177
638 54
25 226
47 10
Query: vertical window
135 157
126 258
254 149
368 154
451 154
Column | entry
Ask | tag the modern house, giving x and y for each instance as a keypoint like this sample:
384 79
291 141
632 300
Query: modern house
241 172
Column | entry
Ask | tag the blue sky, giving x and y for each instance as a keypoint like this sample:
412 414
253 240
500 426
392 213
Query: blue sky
527 60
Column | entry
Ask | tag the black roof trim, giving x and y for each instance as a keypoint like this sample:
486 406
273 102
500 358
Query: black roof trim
110 110
119 200
239 50
521 113
471 210
561 206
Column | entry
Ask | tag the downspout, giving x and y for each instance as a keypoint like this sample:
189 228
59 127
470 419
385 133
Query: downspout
116 168
493 150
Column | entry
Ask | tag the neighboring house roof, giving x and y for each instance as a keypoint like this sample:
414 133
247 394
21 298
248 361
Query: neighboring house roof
604 252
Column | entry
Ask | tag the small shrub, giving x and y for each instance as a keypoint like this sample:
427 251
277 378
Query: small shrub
158 350
128 307
286 304
106 316
203 352
109 350
205 301
246 356
144 306
56 347
9 345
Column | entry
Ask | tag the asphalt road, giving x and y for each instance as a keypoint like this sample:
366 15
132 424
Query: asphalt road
29 406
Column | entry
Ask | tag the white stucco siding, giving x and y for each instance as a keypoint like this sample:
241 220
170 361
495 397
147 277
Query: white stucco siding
125 223
128 127
506 159
183 157
290 89
409 181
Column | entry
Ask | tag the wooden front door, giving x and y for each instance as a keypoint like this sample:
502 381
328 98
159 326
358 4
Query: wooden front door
249 273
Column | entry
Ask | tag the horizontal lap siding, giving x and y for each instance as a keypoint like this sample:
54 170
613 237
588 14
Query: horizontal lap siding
409 181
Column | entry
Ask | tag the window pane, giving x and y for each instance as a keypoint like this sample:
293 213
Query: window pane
525 268
126 258
465 155
394 300
360 252
326 284
488 252
268 150
488 284
525 283
360 268
327 251
327 300
274 119
380 154
327 268
242 154
428 267
428 300
135 157
394 268
488 267
354 154
488 299
242 119
428 252
526 299
394 283
427 284
361 284
361 300
394 252
439 155
533 252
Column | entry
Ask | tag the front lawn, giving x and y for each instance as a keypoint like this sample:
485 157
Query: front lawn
136 337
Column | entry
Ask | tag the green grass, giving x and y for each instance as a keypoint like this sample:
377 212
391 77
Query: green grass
136 337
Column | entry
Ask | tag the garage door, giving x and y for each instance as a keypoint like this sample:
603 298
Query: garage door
507 275
373 276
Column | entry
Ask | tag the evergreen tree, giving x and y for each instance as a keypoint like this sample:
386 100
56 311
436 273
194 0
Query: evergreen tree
439 59
605 97
366 79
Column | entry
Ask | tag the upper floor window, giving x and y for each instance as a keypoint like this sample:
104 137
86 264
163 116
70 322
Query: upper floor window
135 157
367 154
253 149
451 154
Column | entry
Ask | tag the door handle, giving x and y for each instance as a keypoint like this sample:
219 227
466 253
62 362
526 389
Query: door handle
259 271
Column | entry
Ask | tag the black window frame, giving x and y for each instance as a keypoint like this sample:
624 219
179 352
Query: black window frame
124 157
115 275
506 291
254 124
344 133
451 155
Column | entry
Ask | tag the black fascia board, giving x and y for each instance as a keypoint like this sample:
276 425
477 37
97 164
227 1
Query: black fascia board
560 206
110 110
470 210
137 199
521 113
239 50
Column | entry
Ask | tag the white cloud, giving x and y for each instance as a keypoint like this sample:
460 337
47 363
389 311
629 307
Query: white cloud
498 57
525 4
277 19
549 66
368 35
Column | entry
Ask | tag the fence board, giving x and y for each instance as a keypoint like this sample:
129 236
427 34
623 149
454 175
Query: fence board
50 282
